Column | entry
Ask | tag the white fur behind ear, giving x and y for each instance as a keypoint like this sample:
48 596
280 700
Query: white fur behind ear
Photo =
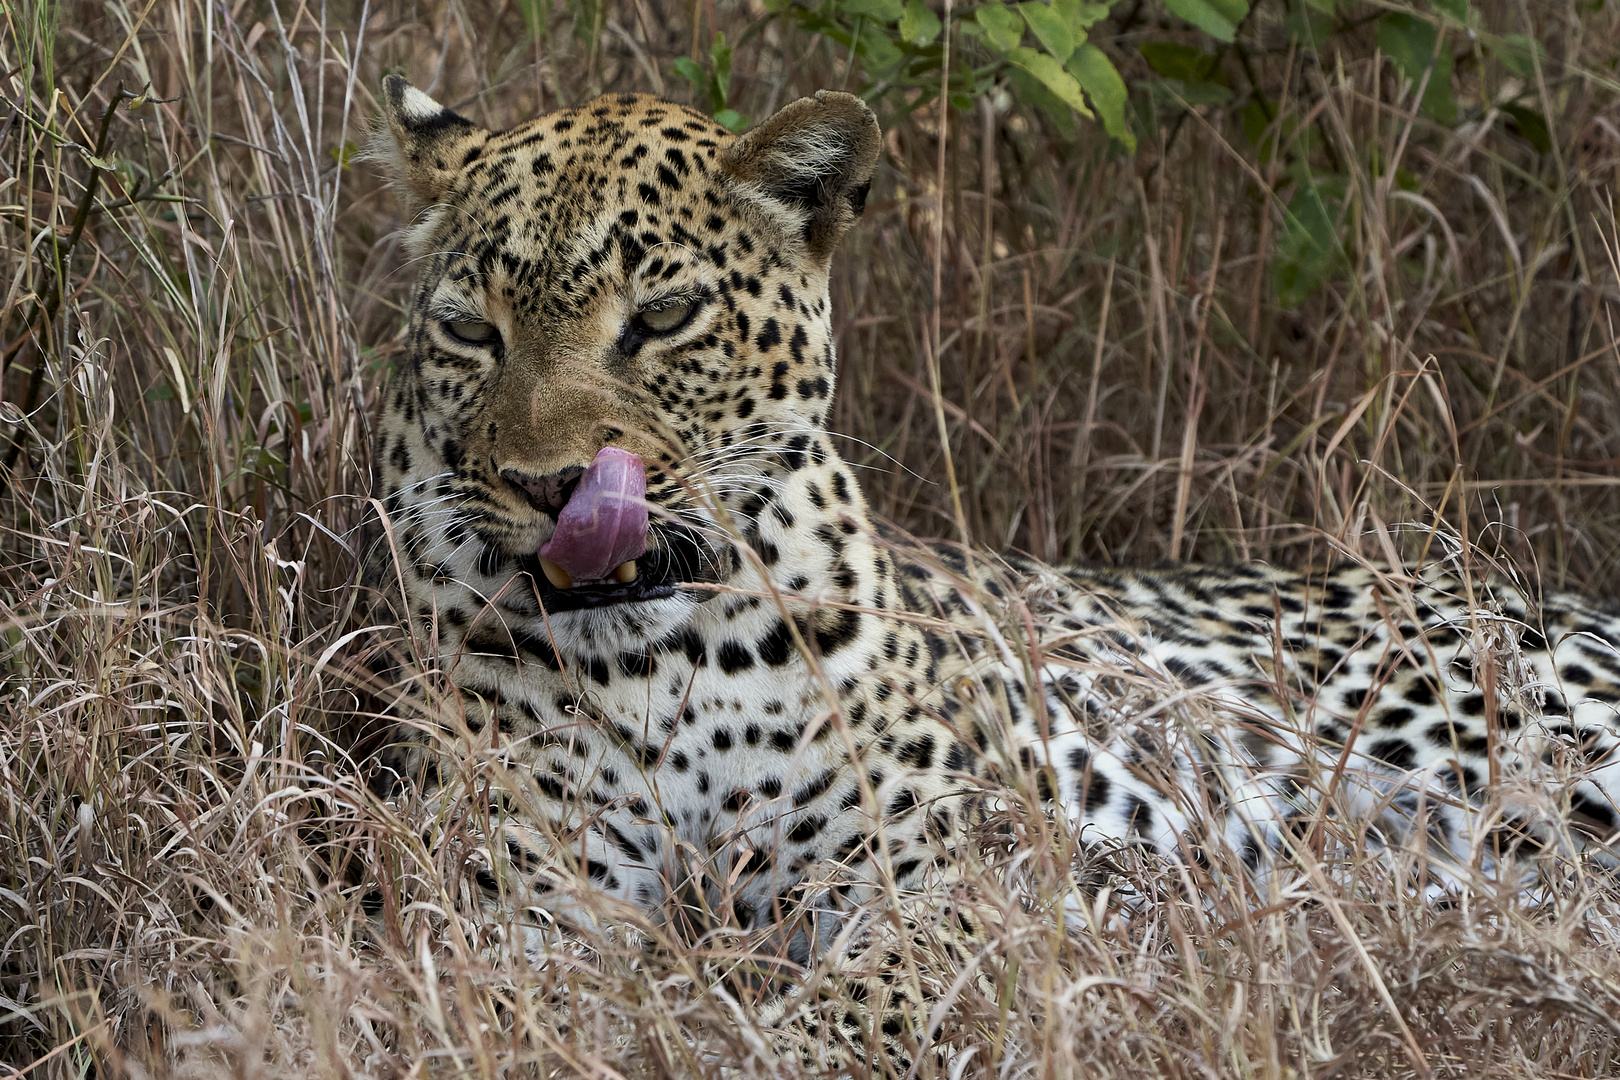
415 105
382 150
417 236
812 153
800 158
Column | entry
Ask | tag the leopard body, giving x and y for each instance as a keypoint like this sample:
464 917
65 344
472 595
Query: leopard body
800 704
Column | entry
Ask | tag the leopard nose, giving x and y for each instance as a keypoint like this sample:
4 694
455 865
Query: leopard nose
548 493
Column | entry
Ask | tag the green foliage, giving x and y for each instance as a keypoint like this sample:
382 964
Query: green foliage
1052 56
586 17
1051 29
1530 125
1100 80
1520 55
1002 29
1217 18
1416 46
711 85
1309 249
536 17
1037 48
1052 75
1189 75
918 25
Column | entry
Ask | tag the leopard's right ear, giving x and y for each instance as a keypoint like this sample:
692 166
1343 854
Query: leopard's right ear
813 161
425 145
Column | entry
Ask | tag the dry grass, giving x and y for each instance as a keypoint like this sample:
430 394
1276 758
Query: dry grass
199 310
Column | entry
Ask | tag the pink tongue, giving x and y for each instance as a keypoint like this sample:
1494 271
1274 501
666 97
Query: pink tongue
604 523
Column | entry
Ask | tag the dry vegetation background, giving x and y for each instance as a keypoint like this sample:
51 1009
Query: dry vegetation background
202 298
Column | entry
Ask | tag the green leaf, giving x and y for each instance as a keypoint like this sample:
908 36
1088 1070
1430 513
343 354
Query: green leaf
1456 9
1217 18
1176 61
710 86
1310 22
1203 93
1514 50
1532 127
702 84
1100 80
344 154
1050 29
878 49
887 11
1410 42
688 69
918 26
1257 117
720 53
1029 90
1003 29
1080 16
1051 75
731 119
1178 94
1308 249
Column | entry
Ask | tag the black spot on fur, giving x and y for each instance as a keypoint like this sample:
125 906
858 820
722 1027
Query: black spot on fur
733 657
776 647
807 829
636 665
1397 753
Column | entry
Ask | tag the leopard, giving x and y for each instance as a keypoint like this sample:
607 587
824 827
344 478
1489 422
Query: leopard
621 530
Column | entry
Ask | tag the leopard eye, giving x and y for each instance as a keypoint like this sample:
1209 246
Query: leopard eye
472 331
667 318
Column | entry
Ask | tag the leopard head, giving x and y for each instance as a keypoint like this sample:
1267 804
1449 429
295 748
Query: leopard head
625 276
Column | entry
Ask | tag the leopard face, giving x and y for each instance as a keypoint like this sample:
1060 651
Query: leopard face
625 274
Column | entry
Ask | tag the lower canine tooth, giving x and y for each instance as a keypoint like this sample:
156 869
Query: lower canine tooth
626 573
556 574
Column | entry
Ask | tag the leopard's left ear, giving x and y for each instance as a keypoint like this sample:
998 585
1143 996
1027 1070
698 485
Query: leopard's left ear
425 144
813 160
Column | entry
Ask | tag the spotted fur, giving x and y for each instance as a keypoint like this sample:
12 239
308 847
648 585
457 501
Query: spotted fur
808 703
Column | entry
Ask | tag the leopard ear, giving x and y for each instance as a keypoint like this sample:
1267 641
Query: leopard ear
425 144
813 160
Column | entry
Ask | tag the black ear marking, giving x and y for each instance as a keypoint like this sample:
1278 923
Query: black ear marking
813 160
419 115
857 198
425 144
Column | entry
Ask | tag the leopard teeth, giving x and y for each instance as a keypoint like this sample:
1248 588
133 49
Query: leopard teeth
626 573
556 574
